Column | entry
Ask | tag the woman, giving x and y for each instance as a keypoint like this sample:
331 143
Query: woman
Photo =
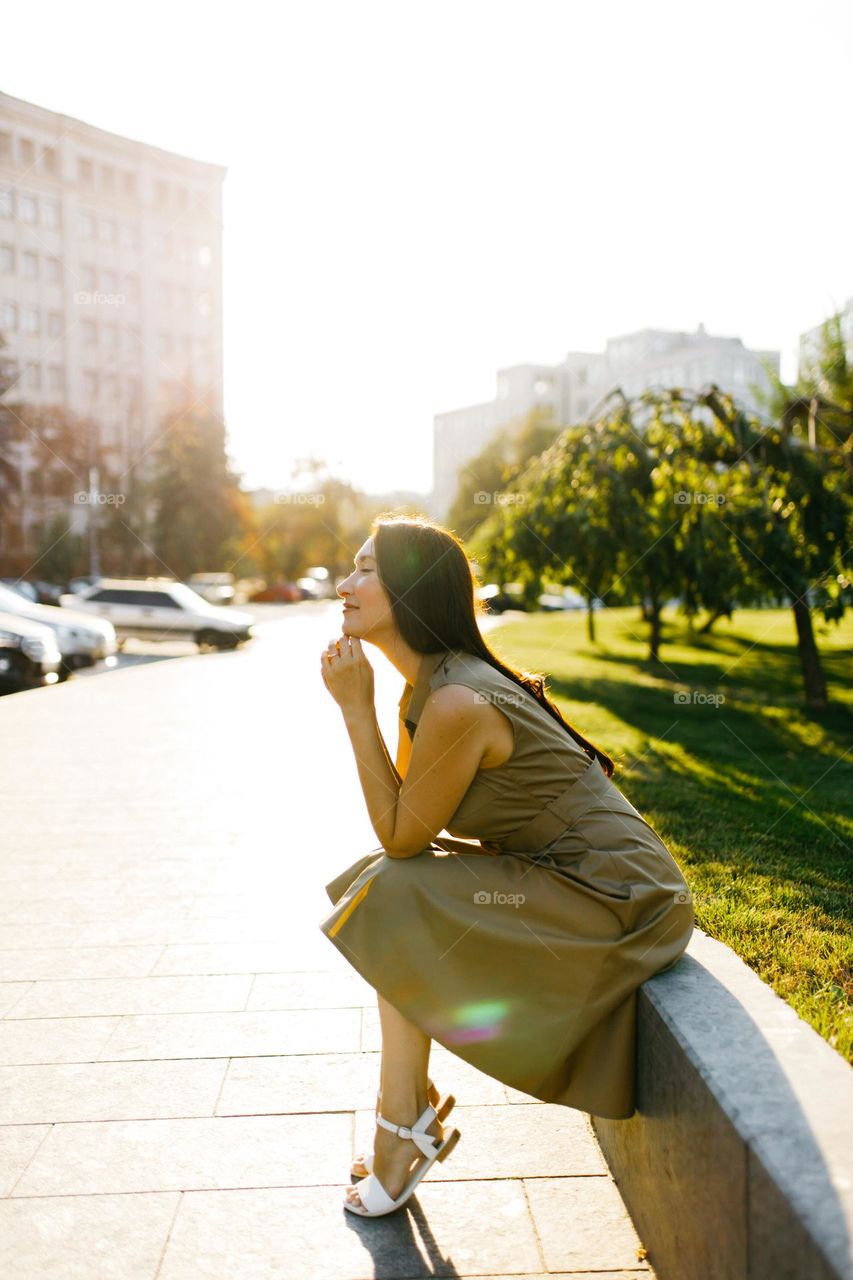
519 942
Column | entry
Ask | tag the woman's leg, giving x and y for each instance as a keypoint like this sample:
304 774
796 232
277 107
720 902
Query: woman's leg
405 1062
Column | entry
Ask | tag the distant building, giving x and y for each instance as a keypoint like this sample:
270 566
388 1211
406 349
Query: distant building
573 388
811 342
110 277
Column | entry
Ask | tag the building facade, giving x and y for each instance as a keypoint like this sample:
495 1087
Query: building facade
110 279
573 389
811 342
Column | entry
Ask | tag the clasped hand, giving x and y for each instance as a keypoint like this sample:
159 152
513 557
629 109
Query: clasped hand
347 674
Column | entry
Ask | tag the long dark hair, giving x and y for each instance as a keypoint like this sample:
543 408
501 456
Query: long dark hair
427 575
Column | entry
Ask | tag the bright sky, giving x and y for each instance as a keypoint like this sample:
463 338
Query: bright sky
420 193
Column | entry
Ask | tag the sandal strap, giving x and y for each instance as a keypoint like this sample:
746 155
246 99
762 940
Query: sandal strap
417 1133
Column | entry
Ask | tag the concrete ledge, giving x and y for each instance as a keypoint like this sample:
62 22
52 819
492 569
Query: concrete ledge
738 1163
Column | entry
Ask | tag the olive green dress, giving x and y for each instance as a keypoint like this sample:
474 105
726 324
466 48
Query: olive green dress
524 960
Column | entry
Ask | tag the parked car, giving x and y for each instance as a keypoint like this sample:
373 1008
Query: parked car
81 640
277 593
162 609
87 580
36 591
216 588
498 599
565 598
317 584
29 655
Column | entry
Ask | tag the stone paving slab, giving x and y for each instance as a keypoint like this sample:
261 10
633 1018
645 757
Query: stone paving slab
104 996
235 1034
110 1090
85 1237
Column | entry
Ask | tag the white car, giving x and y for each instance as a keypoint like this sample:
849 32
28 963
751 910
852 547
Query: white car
215 588
81 640
162 609
29 657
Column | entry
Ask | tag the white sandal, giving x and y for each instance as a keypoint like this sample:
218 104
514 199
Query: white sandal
442 1108
375 1200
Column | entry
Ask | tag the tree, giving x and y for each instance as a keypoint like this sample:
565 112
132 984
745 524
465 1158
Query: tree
199 510
486 477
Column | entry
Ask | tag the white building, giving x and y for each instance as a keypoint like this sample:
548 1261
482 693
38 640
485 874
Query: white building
811 341
573 389
110 276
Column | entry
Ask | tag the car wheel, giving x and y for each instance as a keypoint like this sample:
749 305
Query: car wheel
207 640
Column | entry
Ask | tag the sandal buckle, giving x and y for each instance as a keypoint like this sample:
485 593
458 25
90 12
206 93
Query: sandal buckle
404 1131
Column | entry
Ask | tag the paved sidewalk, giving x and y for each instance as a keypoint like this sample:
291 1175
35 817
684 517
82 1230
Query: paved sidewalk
186 1064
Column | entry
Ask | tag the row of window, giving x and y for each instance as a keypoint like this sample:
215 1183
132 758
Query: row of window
41 211
46 212
33 267
15 318
106 177
106 388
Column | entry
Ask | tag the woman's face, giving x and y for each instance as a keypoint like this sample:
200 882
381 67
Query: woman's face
367 609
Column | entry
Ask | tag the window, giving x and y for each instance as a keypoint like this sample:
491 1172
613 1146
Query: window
89 332
30 265
161 193
182 197
109 280
110 334
27 209
56 379
90 384
128 183
26 151
31 378
86 225
49 161
107 230
203 305
53 270
131 286
111 386
89 279
54 324
205 257
30 320
7 259
156 600
163 244
5 202
85 171
5 147
129 235
8 316
50 214
108 177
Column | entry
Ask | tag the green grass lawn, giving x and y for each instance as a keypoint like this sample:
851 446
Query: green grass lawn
752 794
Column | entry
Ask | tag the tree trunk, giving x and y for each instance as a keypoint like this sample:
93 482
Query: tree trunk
814 681
590 622
653 618
706 626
